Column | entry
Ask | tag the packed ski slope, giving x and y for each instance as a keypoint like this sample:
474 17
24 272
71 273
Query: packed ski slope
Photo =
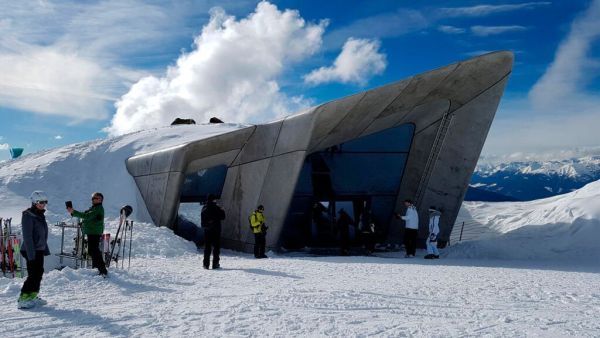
166 293
535 274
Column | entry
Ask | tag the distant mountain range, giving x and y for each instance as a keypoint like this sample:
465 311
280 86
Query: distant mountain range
525 181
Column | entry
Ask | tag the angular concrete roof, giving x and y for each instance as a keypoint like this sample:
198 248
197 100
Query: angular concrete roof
451 108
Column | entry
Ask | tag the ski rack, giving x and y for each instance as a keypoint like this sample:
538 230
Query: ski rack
11 261
78 253
125 230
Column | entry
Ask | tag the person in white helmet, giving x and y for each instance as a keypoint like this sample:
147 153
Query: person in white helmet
34 248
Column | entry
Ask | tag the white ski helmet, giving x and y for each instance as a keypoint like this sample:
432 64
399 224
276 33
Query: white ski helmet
38 196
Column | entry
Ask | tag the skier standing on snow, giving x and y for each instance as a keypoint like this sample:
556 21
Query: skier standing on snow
259 229
411 230
93 227
35 247
434 230
211 218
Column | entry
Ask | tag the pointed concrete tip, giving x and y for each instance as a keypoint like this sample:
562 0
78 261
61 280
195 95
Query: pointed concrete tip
495 64
503 58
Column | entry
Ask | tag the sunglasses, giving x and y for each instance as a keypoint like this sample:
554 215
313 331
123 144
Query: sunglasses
96 198
42 202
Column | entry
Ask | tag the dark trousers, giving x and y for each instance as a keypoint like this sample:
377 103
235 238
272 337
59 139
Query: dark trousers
94 252
212 241
369 240
410 241
35 271
260 241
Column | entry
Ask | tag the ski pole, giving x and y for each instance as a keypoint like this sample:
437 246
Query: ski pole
130 236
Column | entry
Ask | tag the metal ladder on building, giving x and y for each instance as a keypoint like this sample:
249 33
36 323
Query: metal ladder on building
433 155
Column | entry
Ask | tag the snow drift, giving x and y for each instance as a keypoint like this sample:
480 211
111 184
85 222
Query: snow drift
75 171
564 227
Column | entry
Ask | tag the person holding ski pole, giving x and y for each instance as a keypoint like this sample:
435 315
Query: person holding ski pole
35 247
259 229
93 227
211 217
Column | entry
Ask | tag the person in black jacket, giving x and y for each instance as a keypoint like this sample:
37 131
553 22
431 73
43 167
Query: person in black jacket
34 248
211 218
343 224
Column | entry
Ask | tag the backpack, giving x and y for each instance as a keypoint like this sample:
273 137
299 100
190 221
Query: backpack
250 222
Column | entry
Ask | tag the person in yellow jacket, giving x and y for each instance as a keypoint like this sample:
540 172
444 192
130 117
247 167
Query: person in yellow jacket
259 229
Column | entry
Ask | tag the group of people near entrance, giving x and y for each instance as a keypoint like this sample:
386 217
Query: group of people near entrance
35 242
411 217
211 216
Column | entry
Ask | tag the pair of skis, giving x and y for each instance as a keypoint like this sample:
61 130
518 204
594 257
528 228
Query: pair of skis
119 243
10 248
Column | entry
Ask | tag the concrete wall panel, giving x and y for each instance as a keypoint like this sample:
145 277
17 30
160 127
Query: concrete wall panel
261 144
329 115
170 203
161 160
422 116
139 165
418 90
143 183
352 125
277 191
217 144
460 153
225 158
241 193
472 77
155 195
295 133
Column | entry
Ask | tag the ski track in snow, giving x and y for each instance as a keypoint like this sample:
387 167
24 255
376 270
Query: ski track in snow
166 293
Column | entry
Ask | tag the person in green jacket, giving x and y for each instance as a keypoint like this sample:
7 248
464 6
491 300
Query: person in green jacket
93 227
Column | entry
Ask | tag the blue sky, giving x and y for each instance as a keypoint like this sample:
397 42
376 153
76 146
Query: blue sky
77 70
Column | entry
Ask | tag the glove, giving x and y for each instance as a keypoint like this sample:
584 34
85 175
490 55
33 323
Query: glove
432 238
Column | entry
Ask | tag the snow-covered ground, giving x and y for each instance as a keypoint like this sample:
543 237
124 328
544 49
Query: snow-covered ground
535 274
166 293
559 228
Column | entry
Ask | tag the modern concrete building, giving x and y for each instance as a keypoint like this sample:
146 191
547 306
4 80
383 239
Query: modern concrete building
419 138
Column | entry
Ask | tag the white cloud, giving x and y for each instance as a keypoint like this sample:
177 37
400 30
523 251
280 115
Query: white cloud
231 73
484 10
58 137
4 146
50 81
70 58
358 61
563 83
558 112
495 30
451 29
